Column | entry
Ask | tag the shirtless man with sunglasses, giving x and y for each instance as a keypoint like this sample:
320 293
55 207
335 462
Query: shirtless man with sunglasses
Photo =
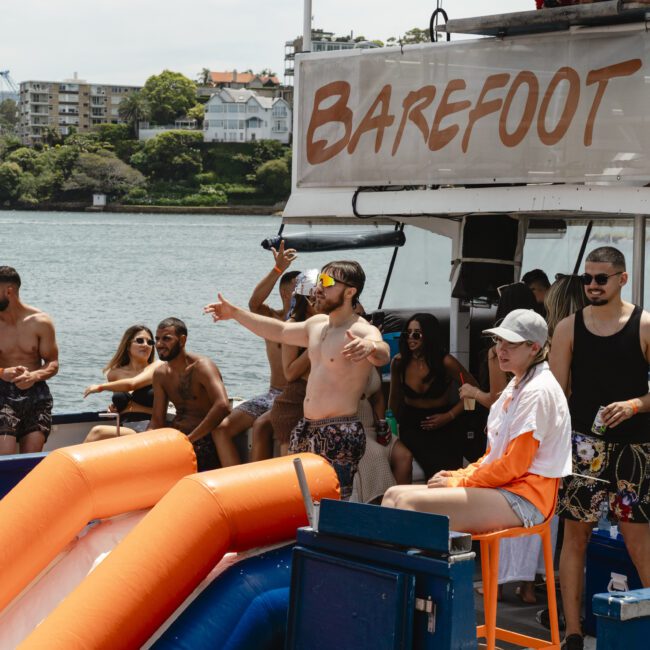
600 356
342 348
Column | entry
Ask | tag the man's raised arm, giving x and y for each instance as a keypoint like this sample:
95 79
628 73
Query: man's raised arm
268 328
264 287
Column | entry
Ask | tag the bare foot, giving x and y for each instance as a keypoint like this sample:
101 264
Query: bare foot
526 593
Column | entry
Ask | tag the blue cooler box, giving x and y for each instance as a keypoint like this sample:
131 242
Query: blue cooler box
606 556
623 620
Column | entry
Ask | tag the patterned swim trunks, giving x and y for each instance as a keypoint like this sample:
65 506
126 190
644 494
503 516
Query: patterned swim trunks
260 404
341 441
25 411
615 473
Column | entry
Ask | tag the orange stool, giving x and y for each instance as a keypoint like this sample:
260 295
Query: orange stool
490 572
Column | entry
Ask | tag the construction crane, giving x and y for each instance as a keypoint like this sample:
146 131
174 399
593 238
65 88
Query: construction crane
6 82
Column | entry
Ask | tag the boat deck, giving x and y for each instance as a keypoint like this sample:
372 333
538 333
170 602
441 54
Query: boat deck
514 615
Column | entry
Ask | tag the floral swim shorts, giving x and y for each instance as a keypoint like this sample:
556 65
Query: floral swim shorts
615 473
260 404
341 441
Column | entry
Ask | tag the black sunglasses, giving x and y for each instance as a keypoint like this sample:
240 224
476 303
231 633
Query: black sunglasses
142 341
600 278
416 336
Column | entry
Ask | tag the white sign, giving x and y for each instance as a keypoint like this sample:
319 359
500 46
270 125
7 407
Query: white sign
563 107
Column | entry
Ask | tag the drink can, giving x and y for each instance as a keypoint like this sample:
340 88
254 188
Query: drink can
383 432
599 427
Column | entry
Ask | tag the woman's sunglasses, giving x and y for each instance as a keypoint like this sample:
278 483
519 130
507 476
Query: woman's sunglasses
142 341
600 278
416 336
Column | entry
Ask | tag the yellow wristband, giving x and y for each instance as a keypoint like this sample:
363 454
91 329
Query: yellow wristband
633 406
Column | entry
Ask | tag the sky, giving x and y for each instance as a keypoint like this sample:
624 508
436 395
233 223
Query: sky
126 41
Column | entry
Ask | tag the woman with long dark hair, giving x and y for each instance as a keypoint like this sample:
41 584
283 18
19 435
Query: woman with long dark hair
421 395
130 377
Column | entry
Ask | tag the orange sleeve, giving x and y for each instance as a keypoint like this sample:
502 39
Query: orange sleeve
465 471
497 473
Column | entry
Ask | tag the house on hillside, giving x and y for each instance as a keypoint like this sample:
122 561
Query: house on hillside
261 84
241 115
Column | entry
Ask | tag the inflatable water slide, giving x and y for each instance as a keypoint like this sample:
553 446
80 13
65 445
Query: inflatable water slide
103 545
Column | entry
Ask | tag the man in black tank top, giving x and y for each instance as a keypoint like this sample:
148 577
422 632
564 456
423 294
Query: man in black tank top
600 356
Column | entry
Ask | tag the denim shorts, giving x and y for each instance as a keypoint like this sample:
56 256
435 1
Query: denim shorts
528 514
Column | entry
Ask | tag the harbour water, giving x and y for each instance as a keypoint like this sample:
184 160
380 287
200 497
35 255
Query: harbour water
96 274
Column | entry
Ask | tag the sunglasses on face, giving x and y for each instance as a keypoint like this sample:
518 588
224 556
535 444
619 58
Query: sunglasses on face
600 278
325 281
416 336
142 341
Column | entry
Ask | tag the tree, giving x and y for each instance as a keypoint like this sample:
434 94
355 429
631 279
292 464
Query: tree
416 35
25 158
9 143
197 112
134 108
8 115
169 95
10 174
172 155
103 172
274 178
267 72
205 77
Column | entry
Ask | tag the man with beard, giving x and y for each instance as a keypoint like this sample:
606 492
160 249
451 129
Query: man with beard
600 355
342 349
28 356
193 384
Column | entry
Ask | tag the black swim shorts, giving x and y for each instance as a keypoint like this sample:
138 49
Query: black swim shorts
606 472
25 411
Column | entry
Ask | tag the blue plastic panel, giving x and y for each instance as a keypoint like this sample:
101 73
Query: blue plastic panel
15 467
378 525
339 603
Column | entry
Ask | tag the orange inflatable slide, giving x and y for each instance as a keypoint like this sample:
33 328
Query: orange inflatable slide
77 484
158 564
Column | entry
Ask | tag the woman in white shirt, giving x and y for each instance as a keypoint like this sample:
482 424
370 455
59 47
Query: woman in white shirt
529 444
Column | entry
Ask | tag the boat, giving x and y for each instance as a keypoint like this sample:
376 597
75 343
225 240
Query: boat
536 129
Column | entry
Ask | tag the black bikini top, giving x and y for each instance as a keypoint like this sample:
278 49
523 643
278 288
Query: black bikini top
141 396
437 388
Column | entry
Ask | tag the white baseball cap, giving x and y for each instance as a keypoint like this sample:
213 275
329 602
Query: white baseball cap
306 282
521 325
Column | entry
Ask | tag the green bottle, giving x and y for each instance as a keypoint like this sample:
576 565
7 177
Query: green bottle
392 422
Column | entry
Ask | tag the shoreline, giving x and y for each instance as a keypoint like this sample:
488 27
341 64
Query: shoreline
256 210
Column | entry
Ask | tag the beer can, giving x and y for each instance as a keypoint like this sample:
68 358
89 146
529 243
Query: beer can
383 432
599 427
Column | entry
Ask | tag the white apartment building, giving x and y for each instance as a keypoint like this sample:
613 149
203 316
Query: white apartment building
59 105
240 115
